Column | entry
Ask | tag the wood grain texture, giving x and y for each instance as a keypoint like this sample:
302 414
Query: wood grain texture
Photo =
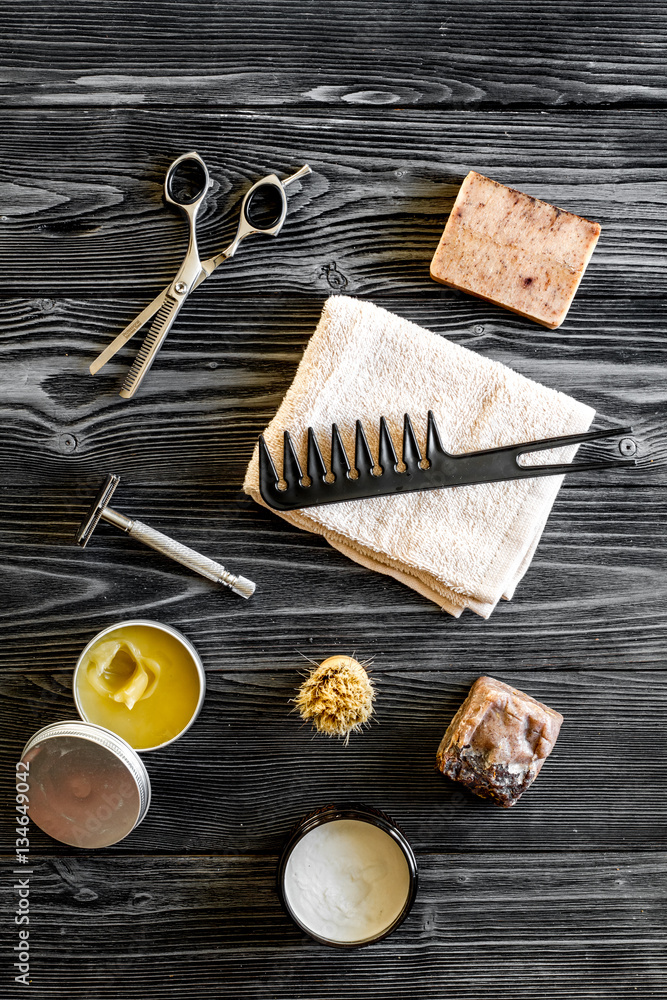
89 217
227 364
461 54
561 896
597 579
249 769
215 928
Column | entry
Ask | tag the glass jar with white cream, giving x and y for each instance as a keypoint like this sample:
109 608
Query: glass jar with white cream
347 875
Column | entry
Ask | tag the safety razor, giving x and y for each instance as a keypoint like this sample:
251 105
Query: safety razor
100 510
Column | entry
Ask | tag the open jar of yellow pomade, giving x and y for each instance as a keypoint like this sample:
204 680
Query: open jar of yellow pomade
142 680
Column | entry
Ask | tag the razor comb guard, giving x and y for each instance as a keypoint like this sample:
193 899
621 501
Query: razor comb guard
436 470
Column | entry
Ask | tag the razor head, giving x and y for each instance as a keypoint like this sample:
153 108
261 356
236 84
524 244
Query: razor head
94 514
437 469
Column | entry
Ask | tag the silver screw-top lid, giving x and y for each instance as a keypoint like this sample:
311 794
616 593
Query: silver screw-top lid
87 786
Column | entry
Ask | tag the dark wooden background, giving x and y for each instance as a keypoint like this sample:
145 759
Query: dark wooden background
391 104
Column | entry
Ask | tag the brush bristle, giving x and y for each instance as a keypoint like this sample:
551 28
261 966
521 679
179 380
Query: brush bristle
337 697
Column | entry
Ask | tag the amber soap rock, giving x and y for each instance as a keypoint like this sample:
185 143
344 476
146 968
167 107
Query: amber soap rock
511 249
498 741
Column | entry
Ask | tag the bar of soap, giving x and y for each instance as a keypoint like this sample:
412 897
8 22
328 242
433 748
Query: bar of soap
498 741
511 249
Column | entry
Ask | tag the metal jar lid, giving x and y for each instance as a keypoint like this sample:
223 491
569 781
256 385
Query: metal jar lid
87 786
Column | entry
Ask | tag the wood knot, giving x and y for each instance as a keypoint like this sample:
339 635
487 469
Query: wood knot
335 278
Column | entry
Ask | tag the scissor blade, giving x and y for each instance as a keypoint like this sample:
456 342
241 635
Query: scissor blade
128 332
203 275
159 329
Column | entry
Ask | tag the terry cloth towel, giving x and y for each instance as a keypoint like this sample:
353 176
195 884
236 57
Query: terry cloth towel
462 548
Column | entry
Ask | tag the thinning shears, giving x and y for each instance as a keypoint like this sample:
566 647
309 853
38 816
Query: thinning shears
185 187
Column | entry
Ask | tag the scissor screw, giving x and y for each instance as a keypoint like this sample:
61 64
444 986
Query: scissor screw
180 287
627 446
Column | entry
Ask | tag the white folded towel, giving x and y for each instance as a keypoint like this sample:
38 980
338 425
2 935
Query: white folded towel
462 548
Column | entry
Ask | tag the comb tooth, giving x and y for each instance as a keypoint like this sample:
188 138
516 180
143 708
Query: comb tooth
292 473
386 451
363 460
317 470
412 456
340 465
433 442
267 470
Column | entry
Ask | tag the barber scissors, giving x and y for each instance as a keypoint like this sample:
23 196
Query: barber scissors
185 187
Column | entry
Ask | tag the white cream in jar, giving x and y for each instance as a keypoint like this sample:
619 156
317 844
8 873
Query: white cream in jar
347 881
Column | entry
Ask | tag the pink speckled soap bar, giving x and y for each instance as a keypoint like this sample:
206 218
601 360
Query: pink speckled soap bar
511 249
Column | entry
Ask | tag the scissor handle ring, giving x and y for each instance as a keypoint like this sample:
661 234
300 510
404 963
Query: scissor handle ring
247 226
198 196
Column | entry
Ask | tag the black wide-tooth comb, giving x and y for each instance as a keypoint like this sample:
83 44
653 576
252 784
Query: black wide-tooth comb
436 470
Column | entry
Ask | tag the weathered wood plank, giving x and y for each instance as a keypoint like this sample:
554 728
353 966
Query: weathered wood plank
88 218
594 595
363 54
108 926
103 100
227 364
249 769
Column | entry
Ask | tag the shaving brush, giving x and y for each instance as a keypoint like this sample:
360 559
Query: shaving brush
337 697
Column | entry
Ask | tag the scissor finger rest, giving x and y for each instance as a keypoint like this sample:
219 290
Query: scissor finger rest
436 470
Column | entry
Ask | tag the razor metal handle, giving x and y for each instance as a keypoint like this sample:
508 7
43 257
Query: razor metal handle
181 553
193 560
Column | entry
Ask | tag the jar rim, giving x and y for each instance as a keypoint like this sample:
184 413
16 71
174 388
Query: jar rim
355 811
159 626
